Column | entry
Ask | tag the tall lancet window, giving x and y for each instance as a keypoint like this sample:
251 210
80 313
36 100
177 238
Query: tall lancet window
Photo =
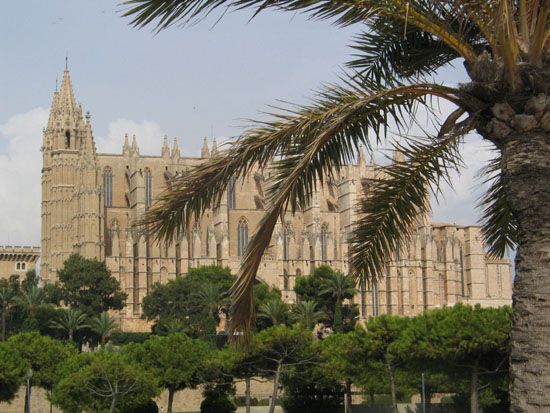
324 242
287 233
108 186
148 188
242 236
231 196
374 289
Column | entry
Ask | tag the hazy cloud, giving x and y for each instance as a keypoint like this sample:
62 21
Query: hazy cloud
20 165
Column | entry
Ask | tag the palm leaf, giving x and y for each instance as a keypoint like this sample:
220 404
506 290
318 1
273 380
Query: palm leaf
390 212
331 143
428 16
498 223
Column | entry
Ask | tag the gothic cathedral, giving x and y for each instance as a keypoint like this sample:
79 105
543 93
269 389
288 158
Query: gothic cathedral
90 201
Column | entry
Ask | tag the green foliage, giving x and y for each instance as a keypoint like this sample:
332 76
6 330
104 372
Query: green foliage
180 305
216 400
43 355
328 288
281 344
121 338
87 284
13 370
264 294
148 406
70 321
104 325
275 311
461 341
31 280
306 314
176 360
103 381
348 357
310 389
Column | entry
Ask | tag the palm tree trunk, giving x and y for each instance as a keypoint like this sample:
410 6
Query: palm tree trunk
474 388
526 173
247 394
171 392
275 387
391 374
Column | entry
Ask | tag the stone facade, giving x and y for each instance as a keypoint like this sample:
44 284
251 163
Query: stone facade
91 200
17 260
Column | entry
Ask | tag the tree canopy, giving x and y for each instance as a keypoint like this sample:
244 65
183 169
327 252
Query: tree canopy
177 361
103 381
180 305
87 284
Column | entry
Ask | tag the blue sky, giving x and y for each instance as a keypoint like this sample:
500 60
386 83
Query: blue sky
187 83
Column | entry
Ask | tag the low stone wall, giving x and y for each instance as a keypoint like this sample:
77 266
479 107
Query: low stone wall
188 400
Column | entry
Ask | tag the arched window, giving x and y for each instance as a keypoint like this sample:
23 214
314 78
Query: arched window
231 198
324 242
67 140
242 237
108 186
148 188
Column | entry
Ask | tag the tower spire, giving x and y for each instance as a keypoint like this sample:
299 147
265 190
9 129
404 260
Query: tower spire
205 152
67 103
175 149
165 148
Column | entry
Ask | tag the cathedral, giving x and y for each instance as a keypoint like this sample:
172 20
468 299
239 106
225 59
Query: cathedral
90 201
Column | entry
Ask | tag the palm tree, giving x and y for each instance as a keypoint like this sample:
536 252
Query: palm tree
306 314
214 298
504 47
339 287
274 310
71 321
104 325
31 298
7 298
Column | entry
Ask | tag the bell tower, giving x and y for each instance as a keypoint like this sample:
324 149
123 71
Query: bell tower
70 191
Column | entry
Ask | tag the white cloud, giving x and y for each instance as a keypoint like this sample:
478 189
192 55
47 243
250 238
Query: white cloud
20 165
149 136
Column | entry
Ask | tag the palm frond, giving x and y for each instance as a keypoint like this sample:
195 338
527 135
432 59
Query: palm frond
498 224
386 54
332 131
391 210
430 17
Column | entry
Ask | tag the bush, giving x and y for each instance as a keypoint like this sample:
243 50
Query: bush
310 390
217 402
147 407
